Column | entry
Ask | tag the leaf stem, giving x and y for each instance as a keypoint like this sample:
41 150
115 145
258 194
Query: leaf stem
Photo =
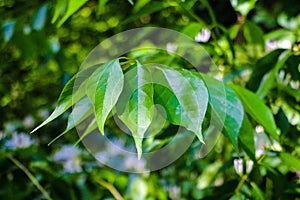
110 188
242 181
29 175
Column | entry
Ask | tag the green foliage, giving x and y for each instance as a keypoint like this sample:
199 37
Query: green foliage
136 103
257 110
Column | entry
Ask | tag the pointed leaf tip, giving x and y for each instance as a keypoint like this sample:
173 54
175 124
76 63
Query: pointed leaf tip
104 88
200 137
136 102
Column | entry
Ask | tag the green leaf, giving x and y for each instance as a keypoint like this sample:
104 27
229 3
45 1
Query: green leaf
101 6
246 138
290 160
269 79
59 8
234 117
237 196
136 103
73 91
104 88
192 29
149 9
244 7
91 127
138 189
166 98
191 95
257 194
262 67
140 4
159 120
253 34
81 111
227 109
256 108
130 1
73 6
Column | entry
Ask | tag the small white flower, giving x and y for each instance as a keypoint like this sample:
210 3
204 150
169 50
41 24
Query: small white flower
26 30
282 44
295 85
281 75
259 152
132 162
103 157
203 36
54 45
67 152
285 44
1 135
174 192
249 165
259 129
43 113
28 121
19 140
72 166
118 143
171 48
68 155
238 165
276 146
271 45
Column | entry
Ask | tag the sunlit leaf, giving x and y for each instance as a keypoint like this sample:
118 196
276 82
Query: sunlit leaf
91 127
138 5
81 111
227 109
290 160
165 97
191 94
262 67
73 6
130 1
246 138
149 9
136 103
244 7
254 34
138 189
234 116
255 107
269 79
104 88
257 194
59 9
192 29
101 6
73 91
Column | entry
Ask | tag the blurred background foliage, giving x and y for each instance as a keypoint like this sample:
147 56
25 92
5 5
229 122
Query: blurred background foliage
43 44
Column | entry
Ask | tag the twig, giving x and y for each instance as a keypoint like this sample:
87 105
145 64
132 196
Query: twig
110 188
243 179
30 176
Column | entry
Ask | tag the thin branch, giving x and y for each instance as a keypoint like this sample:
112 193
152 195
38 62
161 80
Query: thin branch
242 181
30 176
110 188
